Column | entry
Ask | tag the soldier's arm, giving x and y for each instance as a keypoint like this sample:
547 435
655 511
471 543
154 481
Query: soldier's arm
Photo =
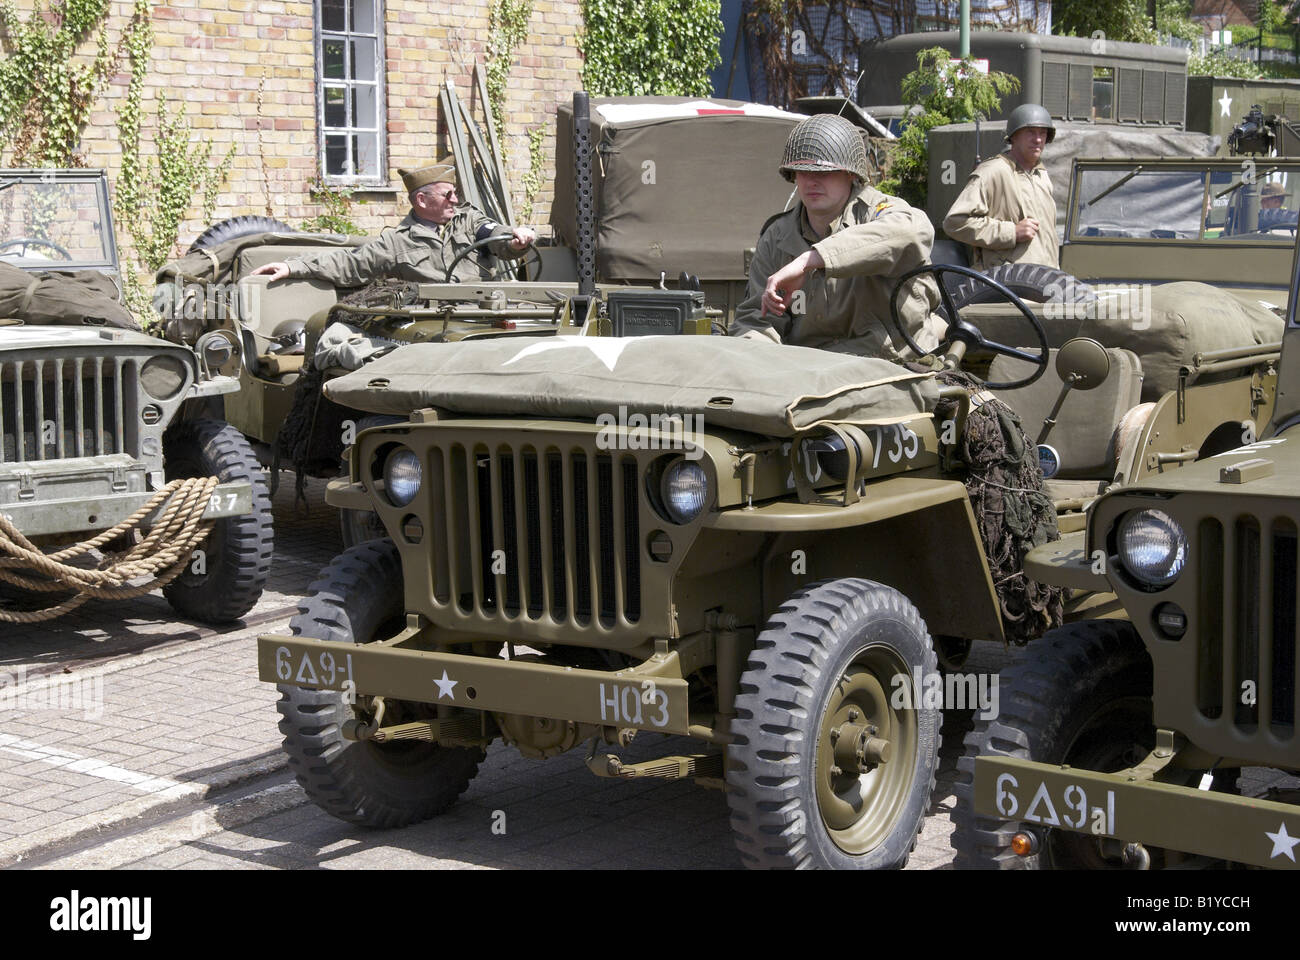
749 321
898 238
351 266
482 227
969 220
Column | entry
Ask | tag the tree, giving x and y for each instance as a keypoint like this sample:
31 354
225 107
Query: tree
652 47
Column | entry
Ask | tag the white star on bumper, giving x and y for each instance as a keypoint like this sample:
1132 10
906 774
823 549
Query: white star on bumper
445 686
1283 844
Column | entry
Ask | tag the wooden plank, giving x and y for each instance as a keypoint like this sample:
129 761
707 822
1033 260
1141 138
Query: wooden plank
498 158
451 109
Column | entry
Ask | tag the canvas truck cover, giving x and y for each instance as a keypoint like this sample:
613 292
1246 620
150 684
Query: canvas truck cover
956 142
62 297
712 167
765 388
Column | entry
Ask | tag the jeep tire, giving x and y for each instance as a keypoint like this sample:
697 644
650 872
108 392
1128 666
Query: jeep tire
822 679
235 227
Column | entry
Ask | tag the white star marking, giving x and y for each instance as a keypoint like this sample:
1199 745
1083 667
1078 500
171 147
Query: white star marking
445 686
607 349
1225 104
1282 843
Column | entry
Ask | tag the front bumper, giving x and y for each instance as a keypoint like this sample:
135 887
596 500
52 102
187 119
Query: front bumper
1218 825
650 696
38 518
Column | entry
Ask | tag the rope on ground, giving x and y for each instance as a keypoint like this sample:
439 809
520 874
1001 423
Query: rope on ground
160 557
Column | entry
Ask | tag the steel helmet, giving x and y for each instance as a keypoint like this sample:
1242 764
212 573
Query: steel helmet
824 141
1030 115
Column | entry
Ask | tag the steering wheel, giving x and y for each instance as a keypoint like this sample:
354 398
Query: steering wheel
26 242
961 335
479 244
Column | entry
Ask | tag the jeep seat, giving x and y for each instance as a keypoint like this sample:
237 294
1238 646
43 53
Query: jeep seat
1085 427
272 310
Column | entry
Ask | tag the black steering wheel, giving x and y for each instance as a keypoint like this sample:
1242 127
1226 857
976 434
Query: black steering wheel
967 334
480 244
26 242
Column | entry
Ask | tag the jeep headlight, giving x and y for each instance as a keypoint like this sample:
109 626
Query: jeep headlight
402 476
1152 547
685 490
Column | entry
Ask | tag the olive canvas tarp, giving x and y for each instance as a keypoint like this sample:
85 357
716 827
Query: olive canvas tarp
766 388
62 297
677 187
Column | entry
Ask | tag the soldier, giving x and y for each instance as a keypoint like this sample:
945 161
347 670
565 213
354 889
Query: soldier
422 246
1271 196
822 273
1006 213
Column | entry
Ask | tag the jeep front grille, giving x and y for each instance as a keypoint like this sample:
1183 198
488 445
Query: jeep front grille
536 531
60 407
1246 623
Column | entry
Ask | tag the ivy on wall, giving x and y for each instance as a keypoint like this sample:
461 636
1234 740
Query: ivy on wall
650 47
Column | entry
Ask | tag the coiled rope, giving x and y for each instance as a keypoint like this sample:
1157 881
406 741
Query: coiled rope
161 556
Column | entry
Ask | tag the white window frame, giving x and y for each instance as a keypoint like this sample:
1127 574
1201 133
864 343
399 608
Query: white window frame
380 130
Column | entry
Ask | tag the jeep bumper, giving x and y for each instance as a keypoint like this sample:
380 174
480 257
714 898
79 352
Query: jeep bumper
1218 825
649 696
37 517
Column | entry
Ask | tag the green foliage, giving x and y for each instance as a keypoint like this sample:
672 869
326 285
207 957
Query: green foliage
507 29
1215 64
650 47
536 168
945 94
46 98
337 217
1125 20
1270 15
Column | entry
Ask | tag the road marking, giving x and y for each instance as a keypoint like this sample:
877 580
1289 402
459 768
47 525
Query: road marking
91 767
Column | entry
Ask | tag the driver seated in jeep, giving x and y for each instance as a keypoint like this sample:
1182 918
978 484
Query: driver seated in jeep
822 273
419 249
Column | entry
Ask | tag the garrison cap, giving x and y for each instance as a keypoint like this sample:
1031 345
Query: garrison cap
444 171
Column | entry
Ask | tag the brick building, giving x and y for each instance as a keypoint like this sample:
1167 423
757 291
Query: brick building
351 90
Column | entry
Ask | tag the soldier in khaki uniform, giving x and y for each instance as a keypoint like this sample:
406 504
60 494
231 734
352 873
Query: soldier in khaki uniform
422 246
1006 213
822 273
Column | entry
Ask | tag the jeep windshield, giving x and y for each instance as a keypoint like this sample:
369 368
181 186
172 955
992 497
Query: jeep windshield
55 220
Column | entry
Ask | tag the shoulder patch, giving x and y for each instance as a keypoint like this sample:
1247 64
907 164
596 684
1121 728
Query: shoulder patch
882 207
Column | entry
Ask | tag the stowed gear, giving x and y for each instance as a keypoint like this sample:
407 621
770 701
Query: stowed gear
823 143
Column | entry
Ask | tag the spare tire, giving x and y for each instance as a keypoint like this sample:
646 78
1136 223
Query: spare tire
236 227
1028 281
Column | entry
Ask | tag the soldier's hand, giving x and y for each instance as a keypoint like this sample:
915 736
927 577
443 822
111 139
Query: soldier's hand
1026 230
521 237
778 295
276 271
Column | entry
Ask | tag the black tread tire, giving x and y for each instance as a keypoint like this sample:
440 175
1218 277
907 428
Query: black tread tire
365 783
1034 282
1049 693
239 549
235 227
358 526
771 763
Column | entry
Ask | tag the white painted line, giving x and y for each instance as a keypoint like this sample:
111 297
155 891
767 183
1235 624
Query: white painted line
91 767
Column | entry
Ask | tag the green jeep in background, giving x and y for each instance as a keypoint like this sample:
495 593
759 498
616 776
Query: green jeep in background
96 418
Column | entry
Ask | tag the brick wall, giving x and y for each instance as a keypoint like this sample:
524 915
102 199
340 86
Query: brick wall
211 54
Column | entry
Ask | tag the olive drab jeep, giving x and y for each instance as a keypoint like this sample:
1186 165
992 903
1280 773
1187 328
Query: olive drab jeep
1121 740
100 421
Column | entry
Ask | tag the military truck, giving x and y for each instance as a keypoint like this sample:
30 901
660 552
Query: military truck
1121 740
773 581
100 420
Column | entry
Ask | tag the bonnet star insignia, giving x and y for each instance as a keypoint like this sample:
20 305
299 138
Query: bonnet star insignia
1283 844
445 686
606 349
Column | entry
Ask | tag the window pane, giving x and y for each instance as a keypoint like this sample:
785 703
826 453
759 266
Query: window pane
363 60
333 56
336 108
363 107
366 148
363 16
336 156
333 14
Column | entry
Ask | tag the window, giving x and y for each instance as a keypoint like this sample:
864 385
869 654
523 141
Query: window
1103 93
350 91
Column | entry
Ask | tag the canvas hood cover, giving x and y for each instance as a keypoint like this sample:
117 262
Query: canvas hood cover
679 183
62 297
765 388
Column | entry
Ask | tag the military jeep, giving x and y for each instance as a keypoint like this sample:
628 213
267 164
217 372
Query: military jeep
1123 739
97 418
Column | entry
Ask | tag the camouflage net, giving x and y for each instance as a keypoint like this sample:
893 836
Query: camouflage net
1013 513
311 438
